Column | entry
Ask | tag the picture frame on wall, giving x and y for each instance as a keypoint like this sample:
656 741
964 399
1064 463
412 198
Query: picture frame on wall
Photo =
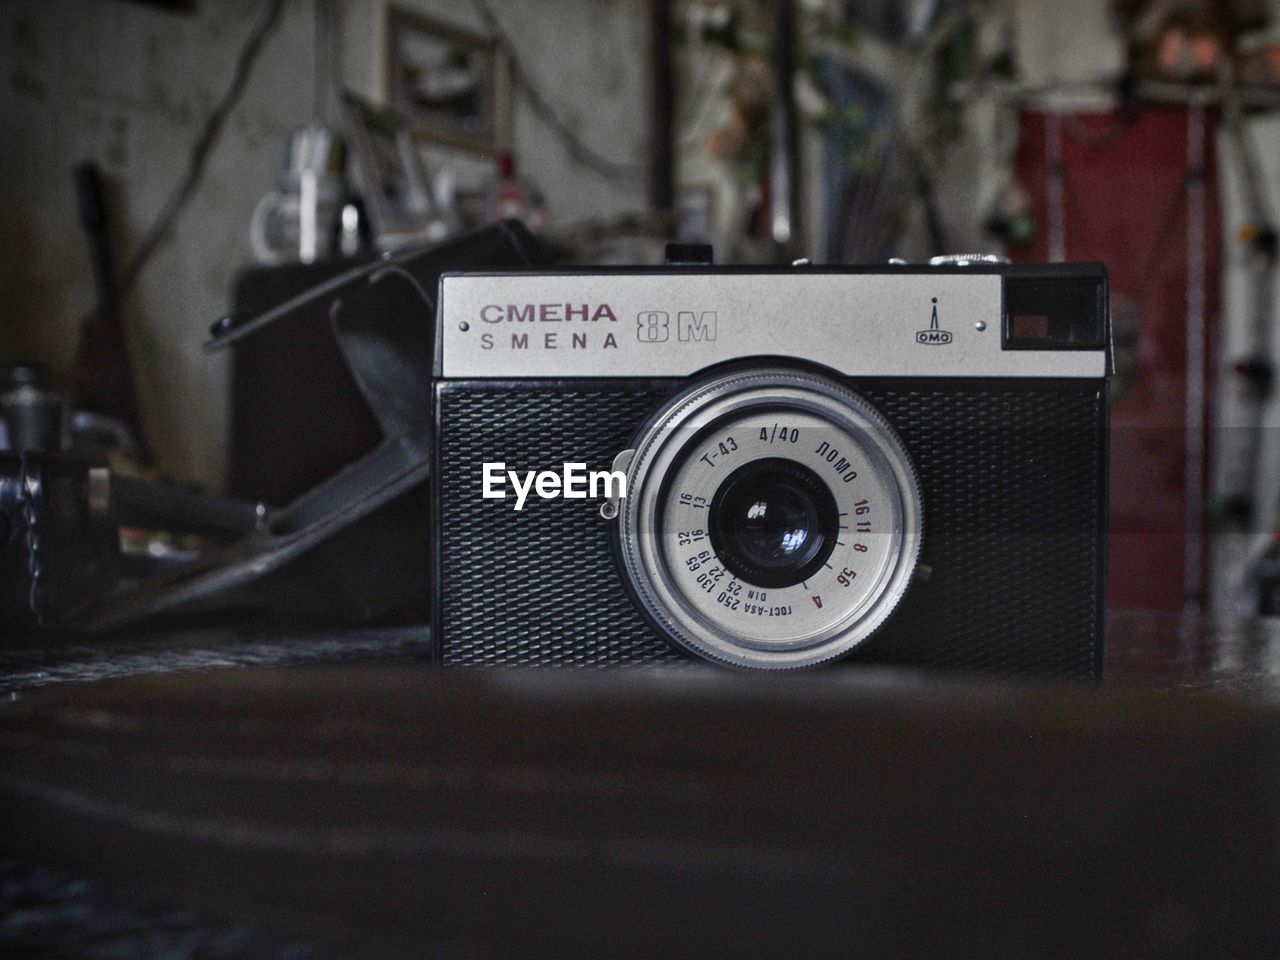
448 82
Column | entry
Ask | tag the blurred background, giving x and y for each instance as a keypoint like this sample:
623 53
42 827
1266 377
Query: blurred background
167 162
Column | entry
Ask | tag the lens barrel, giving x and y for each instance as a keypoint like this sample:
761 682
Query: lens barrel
772 520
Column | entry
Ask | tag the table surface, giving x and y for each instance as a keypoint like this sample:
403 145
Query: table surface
337 796
1154 650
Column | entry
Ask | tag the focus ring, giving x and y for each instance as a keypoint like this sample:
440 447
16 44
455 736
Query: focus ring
696 447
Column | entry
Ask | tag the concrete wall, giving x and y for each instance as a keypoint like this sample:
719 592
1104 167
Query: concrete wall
129 85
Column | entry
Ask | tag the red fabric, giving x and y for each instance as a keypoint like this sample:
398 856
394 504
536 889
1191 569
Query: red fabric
1125 203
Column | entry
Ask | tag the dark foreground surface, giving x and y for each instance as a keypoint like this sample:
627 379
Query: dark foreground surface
336 796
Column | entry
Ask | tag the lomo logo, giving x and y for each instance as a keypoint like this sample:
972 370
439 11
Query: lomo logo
934 336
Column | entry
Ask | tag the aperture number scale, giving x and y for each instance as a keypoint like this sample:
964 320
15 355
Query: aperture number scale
745 598
772 518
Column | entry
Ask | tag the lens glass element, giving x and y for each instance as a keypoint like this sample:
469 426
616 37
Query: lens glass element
773 522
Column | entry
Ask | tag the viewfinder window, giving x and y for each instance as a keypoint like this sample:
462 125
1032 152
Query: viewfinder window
1058 314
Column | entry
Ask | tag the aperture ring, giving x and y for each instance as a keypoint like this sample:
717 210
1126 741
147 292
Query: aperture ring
684 456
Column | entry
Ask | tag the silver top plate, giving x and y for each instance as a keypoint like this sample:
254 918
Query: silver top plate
673 325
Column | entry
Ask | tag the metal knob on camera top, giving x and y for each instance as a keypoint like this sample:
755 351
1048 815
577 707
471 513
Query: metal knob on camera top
965 259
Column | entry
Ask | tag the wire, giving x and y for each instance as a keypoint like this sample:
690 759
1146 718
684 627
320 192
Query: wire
202 147
322 30
577 149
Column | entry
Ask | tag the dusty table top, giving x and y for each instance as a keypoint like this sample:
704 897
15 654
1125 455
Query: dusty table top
340 790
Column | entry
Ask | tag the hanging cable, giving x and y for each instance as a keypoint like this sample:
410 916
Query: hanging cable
538 103
203 146
322 30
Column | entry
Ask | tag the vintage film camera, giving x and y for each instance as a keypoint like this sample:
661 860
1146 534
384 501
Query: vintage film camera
903 464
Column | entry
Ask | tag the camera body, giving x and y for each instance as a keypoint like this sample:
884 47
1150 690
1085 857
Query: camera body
899 464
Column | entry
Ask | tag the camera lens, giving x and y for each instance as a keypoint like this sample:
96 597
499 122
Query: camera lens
773 522
772 518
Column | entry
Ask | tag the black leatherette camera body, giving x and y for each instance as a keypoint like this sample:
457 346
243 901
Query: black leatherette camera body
1012 472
